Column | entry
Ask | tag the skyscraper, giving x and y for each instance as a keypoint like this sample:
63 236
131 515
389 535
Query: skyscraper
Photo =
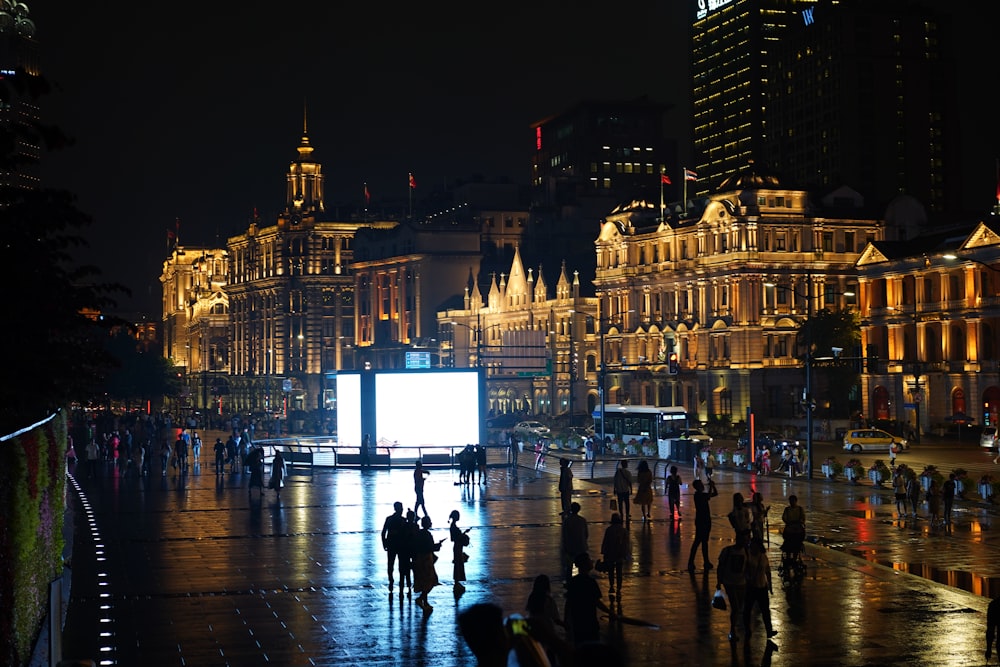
18 108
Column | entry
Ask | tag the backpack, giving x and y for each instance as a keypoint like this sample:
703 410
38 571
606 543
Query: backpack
733 565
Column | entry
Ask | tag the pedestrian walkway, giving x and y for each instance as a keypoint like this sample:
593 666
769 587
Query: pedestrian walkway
194 570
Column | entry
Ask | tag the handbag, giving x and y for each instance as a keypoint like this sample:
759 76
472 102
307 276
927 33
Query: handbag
614 504
719 600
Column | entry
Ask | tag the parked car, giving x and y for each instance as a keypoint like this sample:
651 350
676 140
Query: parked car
770 440
988 438
860 440
532 430
704 439
505 420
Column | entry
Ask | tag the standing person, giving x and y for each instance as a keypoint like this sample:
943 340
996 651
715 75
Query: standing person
366 443
543 617
758 514
699 466
196 448
893 450
702 522
244 451
758 571
220 456
913 491
674 493
565 485
459 540
992 622
709 465
948 497
583 599
575 537
794 532
393 533
419 477
644 490
899 490
514 447
739 517
165 455
539 450
405 553
181 453
732 576
94 456
614 549
934 502
232 451
623 489
277 479
255 463
481 462
424 574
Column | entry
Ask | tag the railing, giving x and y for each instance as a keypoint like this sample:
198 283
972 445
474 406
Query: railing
325 452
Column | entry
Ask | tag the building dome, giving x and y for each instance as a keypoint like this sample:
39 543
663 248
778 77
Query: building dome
750 177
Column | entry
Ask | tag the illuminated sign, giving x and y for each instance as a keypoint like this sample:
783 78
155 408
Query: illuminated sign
807 16
705 7
538 138
418 359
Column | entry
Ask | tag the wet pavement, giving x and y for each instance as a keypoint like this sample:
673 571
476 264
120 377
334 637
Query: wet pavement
195 570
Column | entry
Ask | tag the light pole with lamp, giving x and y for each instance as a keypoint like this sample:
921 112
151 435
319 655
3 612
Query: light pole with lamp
810 404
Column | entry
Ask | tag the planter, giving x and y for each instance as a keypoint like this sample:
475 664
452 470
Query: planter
925 482
960 487
721 459
738 459
828 471
648 451
851 474
876 477
986 491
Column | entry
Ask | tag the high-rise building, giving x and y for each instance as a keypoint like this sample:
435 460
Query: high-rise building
19 112
826 93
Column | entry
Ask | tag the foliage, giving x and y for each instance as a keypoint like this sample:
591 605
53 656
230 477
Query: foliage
881 469
139 375
32 486
826 330
55 338
835 466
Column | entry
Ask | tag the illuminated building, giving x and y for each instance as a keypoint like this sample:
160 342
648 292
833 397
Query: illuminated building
827 93
727 292
537 349
19 113
930 309
291 301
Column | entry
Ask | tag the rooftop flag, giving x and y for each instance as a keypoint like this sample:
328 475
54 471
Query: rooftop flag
413 182
690 175
368 195
665 179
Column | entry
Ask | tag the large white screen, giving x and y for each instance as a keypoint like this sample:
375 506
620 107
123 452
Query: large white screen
436 408
349 410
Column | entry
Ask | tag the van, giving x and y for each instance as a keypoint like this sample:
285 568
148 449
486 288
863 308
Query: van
988 438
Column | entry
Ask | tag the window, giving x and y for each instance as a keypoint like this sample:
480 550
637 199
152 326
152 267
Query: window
779 241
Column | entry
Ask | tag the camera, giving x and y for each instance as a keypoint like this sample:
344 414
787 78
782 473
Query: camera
601 566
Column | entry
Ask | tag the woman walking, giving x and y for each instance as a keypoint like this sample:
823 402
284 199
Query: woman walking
644 493
459 540
277 479
614 549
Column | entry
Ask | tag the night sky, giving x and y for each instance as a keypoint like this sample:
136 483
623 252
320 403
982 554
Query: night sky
193 111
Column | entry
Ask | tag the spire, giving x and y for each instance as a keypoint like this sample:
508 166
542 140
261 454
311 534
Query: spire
305 150
304 178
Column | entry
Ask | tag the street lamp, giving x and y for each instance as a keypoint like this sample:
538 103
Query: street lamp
917 397
808 398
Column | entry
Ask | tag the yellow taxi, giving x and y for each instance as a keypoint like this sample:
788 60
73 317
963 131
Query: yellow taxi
860 440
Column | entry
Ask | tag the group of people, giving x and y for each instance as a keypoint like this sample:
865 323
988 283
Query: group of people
909 495
472 461
411 549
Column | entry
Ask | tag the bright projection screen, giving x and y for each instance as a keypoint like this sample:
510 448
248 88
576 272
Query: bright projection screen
438 408
349 409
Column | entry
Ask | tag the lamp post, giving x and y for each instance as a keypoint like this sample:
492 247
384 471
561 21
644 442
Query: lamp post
810 404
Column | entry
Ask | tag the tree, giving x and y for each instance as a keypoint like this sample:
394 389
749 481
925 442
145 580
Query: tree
826 332
57 321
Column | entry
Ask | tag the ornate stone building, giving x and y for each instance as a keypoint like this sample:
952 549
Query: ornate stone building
726 291
930 311
538 350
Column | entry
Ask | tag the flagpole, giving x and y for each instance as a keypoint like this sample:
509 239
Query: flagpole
684 204
409 190
663 171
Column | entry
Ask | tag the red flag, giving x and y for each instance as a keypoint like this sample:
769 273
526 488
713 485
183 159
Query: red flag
413 182
665 179
368 195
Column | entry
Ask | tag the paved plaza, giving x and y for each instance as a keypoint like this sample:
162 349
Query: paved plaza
194 570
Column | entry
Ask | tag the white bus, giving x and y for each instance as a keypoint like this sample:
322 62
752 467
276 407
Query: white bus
628 423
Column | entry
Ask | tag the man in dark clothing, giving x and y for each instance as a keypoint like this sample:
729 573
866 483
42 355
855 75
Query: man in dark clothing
583 599
181 447
702 521
220 456
575 536
948 496
392 535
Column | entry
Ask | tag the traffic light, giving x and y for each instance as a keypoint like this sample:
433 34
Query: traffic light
673 365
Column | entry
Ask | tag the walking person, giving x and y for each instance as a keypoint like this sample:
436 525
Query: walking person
419 477
739 517
614 550
794 519
164 456
622 484
702 522
583 600
758 516
181 453
481 463
913 491
405 553
933 497
424 573
899 490
393 533
948 497
758 572
673 484
196 448
574 537
459 540
232 452
699 466
220 456
709 465
543 618
255 463
732 577
565 485
644 491
277 479
93 458
366 443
